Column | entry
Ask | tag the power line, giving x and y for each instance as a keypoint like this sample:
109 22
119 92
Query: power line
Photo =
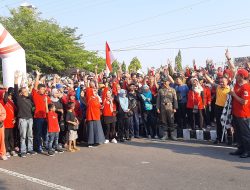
148 18
182 48
173 32
171 40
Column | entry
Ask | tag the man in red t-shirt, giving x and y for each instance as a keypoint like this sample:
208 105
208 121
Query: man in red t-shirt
40 123
241 113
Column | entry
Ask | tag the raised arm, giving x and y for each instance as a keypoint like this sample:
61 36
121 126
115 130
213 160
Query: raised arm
46 103
230 62
209 79
38 74
16 78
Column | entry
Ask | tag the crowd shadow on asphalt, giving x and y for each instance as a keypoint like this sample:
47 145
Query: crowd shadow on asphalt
2 185
243 167
220 153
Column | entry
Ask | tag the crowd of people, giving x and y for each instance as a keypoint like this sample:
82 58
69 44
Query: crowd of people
49 115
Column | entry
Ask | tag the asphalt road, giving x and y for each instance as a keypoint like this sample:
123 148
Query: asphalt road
136 165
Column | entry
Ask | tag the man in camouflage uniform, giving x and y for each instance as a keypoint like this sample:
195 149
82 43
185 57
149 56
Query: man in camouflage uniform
166 107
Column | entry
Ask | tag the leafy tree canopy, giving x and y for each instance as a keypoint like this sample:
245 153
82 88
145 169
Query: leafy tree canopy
49 47
134 65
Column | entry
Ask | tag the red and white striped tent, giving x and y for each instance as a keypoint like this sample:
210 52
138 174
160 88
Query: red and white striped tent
12 55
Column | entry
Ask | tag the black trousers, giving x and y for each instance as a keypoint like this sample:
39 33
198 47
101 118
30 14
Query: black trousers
242 132
219 128
195 118
149 123
109 130
206 115
9 139
123 127
181 116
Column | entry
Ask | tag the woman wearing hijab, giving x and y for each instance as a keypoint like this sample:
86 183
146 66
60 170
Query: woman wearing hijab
82 127
147 97
195 104
123 116
93 117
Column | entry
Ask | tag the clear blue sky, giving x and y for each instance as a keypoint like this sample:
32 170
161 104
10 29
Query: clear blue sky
158 24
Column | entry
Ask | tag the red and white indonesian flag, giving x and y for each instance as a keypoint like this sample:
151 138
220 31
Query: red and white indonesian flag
109 59
12 55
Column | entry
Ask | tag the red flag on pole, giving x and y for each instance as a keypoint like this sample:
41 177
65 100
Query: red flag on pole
109 59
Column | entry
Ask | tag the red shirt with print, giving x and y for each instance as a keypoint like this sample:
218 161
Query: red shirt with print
243 92
194 99
53 125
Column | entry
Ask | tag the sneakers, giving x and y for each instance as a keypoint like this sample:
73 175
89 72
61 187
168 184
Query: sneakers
106 141
164 138
32 152
4 157
7 155
173 138
236 153
60 150
114 141
23 155
91 145
51 153
156 137
13 153
245 155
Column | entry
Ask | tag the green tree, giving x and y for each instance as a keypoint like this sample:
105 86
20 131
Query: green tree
48 46
115 66
170 69
178 61
134 65
124 67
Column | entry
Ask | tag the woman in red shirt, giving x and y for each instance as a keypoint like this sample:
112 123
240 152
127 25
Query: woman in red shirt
9 122
195 104
109 117
93 115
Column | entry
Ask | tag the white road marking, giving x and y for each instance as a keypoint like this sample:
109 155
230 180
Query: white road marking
34 180
145 162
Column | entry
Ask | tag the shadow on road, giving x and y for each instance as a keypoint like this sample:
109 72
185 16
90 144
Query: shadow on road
2 185
221 153
243 167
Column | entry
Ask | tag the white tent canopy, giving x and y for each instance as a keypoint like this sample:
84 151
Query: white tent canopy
12 55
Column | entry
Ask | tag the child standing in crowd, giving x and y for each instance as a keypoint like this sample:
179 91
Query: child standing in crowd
109 117
72 124
53 128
